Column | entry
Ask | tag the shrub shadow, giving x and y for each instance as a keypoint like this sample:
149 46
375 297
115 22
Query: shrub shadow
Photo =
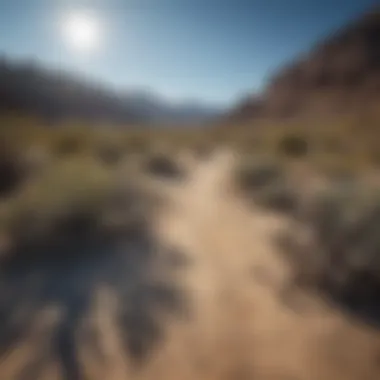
66 272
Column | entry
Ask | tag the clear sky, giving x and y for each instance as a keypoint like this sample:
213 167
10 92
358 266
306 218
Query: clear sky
211 50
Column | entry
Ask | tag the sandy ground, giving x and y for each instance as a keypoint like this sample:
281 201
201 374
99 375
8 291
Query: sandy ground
240 326
244 329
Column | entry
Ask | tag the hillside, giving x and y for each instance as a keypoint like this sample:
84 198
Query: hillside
54 95
339 75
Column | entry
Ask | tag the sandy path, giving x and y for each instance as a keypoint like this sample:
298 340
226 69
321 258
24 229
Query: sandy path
242 329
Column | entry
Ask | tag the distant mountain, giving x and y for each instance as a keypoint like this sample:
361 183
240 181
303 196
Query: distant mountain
339 75
29 88
158 111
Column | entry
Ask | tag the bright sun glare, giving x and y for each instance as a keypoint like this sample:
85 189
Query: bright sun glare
81 31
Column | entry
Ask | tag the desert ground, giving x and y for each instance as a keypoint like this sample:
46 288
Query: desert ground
201 290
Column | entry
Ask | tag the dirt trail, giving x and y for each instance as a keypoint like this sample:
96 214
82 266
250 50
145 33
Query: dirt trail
239 326
242 328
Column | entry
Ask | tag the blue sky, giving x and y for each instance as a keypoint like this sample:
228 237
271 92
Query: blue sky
212 50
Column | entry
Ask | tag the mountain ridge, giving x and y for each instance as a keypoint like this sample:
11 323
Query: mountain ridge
339 74
56 95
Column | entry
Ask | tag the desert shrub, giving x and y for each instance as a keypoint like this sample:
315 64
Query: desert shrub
67 189
75 231
11 171
68 144
73 201
341 257
280 197
162 165
293 145
254 173
266 184
109 152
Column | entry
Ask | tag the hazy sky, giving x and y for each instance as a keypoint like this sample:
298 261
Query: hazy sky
212 50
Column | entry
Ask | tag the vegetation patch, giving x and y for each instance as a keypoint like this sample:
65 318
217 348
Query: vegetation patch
334 247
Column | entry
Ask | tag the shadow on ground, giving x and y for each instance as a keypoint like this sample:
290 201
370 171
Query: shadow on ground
66 273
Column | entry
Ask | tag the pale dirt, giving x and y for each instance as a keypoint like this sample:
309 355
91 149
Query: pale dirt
243 329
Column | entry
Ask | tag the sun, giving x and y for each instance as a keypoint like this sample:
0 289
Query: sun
81 31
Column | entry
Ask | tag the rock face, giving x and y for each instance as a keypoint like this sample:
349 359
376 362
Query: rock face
340 74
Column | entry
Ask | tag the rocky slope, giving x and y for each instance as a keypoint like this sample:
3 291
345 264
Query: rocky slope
340 74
